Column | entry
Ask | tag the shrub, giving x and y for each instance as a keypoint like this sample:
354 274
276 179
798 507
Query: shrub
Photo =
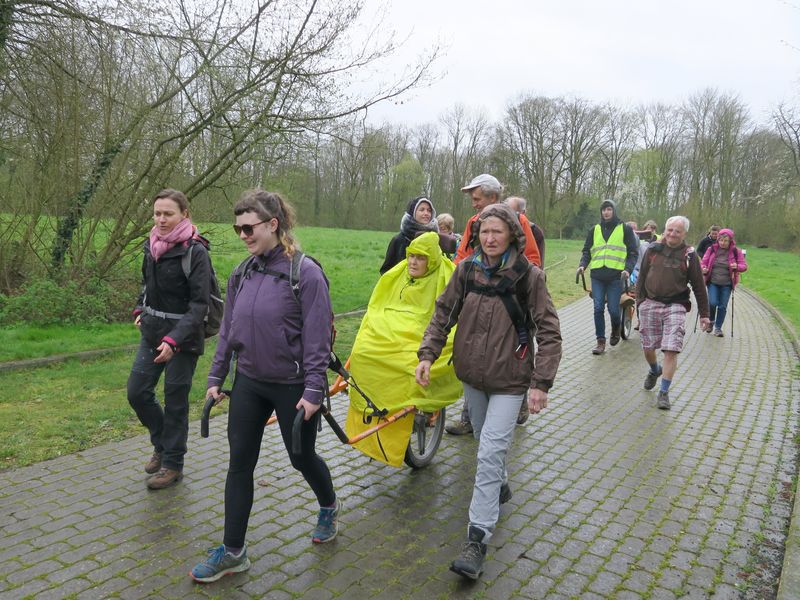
46 302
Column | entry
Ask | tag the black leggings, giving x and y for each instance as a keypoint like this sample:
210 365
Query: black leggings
252 403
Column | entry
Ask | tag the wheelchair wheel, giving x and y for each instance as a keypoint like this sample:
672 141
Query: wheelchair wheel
627 321
425 438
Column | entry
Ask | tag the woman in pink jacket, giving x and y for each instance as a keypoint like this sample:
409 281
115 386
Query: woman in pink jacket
721 264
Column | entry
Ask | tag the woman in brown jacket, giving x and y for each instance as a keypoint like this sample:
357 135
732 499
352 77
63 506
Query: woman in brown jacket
499 300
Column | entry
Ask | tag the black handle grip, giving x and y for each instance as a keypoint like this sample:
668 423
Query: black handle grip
297 447
335 365
579 276
210 402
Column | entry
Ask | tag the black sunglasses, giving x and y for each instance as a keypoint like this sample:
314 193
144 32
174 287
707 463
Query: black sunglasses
248 229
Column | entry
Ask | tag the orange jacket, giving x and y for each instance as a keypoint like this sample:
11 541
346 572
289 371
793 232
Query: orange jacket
531 248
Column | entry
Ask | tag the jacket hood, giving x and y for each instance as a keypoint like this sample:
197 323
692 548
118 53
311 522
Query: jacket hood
428 245
605 204
507 214
411 208
729 233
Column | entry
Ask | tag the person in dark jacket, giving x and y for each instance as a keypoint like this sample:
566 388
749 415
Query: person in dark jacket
282 342
483 191
169 314
610 253
420 217
495 358
708 240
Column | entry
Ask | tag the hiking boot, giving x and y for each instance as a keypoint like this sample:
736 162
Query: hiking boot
718 333
470 562
650 380
505 493
154 464
662 400
614 339
327 524
601 346
164 478
524 411
458 428
220 563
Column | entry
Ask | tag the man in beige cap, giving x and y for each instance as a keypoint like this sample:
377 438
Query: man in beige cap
484 190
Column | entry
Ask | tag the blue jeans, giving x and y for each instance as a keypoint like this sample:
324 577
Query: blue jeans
606 292
718 296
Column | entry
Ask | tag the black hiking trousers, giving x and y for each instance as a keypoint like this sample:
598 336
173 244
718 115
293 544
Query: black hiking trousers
252 403
168 426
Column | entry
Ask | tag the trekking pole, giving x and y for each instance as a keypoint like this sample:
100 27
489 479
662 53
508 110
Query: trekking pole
696 318
732 311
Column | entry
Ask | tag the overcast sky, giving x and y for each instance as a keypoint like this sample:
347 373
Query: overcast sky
622 51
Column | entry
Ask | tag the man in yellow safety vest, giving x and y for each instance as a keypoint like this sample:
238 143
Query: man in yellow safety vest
610 253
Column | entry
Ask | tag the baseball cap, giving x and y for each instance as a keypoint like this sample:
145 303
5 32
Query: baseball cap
482 179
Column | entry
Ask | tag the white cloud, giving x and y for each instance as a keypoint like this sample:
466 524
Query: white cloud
625 51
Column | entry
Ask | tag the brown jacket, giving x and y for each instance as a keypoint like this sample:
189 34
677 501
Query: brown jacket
665 276
485 340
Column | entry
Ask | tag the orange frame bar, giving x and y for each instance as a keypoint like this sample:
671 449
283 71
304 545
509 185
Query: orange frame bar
340 384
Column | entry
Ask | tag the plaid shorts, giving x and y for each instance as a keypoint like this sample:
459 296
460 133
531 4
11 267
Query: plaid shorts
662 325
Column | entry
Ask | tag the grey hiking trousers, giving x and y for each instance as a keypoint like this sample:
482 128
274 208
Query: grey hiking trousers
493 417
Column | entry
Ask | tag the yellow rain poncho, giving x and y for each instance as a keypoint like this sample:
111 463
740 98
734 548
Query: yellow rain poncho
384 354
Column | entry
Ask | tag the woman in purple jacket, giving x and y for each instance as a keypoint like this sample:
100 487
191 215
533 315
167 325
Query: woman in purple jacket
282 345
721 265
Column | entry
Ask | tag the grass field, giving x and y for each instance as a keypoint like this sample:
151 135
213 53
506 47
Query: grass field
775 276
69 406
350 257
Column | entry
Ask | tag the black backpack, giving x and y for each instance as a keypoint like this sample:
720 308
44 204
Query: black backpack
216 305
511 291
248 265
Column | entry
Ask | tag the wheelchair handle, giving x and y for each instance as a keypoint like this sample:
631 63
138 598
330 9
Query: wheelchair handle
297 432
210 403
297 425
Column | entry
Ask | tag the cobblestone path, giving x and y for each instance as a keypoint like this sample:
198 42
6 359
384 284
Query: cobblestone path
612 497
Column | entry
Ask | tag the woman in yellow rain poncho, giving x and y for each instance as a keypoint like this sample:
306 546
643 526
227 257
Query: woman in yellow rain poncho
384 354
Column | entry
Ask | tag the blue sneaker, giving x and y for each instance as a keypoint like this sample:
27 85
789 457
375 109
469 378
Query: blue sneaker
327 524
220 563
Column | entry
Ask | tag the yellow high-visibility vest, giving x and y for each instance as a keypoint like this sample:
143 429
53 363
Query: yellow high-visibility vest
609 253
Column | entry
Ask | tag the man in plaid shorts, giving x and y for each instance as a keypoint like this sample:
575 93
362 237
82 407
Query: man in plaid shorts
669 266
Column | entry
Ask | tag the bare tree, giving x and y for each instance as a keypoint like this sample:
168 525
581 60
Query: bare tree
617 139
191 103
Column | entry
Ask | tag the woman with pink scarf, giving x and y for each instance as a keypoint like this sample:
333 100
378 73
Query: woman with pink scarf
721 265
170 314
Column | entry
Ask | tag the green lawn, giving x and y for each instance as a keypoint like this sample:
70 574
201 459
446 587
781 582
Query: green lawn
775 276
70 406
350 258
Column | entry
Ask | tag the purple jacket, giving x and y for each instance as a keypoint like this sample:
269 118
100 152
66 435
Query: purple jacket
734 256
276 338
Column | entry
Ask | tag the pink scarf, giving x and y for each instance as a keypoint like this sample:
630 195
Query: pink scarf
159 244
